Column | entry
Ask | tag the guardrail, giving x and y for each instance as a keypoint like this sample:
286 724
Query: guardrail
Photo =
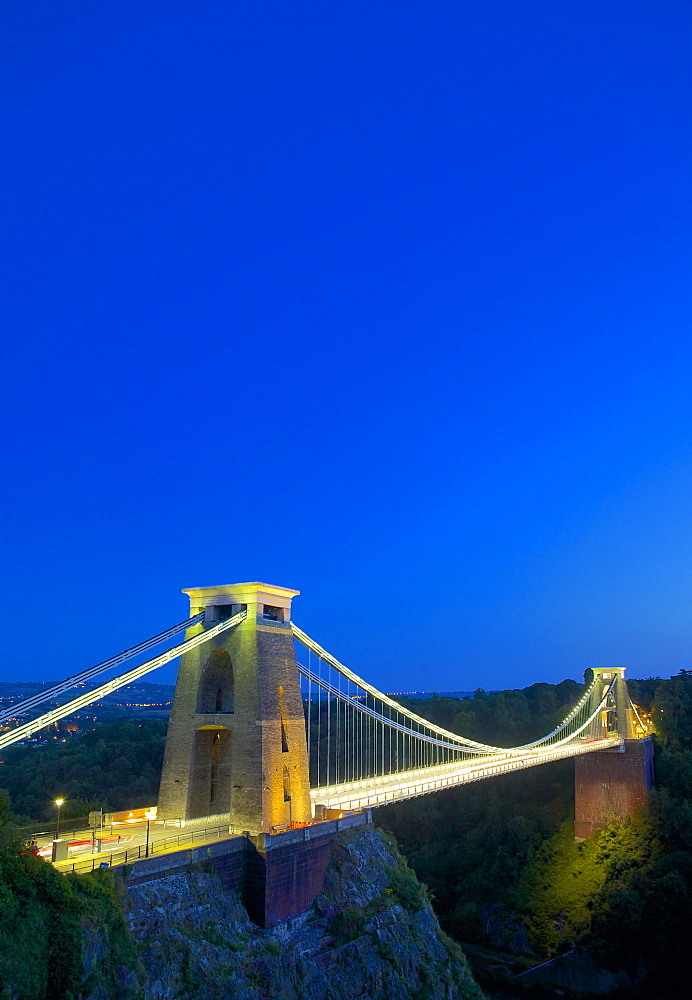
68 828
124 857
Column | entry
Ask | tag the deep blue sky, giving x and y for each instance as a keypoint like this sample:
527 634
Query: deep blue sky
389 303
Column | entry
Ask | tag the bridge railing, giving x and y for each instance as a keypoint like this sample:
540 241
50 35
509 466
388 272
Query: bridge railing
129 855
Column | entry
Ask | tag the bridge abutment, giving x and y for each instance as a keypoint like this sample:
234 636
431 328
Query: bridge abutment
276 878
611 785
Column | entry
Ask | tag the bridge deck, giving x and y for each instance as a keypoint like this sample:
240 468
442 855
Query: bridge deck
387 789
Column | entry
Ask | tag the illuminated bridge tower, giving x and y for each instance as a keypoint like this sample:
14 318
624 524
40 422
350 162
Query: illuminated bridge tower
236 738
613 784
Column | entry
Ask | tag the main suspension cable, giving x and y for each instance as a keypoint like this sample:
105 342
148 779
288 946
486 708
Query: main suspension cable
38 699
55 714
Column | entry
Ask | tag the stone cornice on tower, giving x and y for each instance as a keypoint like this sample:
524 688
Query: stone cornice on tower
240 593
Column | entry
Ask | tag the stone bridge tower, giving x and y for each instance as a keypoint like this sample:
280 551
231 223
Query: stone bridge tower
612 784
236 737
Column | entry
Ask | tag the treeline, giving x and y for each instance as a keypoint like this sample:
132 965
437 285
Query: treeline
505 872
117 766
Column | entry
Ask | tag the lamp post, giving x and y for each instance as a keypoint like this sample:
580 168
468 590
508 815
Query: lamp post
148 814
58 803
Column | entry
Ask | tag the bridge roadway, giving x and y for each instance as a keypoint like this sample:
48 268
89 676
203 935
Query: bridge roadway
387 789
129 844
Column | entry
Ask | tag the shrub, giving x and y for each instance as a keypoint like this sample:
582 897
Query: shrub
405 888
348 924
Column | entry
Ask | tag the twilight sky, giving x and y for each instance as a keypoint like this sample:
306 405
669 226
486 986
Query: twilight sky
389 303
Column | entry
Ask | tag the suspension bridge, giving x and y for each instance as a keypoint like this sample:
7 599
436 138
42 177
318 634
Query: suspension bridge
272 732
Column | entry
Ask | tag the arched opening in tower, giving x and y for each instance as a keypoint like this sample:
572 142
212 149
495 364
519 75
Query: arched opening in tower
210 778
216 693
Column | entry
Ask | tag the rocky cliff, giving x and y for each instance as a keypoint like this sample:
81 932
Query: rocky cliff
371 934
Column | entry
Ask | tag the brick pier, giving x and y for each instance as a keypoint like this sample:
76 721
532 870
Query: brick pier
611 785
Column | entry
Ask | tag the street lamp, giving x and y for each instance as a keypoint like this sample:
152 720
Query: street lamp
149 815
58 803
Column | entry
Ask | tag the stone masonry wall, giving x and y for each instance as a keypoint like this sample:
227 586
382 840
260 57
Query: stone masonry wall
262 755
610 785
285 873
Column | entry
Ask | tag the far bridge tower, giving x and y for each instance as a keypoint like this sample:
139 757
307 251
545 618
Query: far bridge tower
613 784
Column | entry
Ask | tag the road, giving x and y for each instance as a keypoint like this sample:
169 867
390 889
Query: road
130 837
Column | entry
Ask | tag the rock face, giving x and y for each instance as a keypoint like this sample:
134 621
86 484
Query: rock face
372 934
